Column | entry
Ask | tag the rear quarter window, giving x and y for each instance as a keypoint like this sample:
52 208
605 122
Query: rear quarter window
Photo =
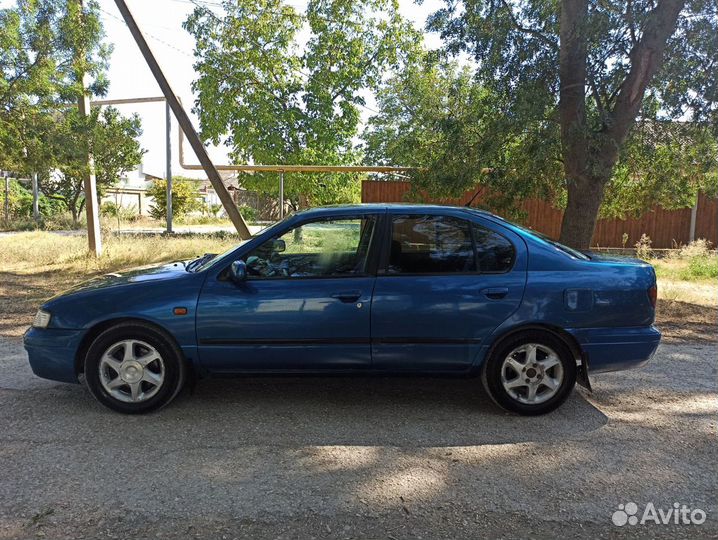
494 252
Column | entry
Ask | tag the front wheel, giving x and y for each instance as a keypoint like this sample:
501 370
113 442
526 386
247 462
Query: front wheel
530 373
133 368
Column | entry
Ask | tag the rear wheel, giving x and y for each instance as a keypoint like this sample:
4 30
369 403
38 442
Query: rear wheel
133 368
530 373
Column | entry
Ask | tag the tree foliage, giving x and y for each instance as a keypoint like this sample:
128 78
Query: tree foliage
45 47
274 102
39 41
581 74
113 140
459 133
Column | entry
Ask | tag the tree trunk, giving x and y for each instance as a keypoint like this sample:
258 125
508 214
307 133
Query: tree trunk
585 196
587 172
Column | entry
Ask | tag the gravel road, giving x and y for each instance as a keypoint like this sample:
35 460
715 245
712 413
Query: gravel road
359 458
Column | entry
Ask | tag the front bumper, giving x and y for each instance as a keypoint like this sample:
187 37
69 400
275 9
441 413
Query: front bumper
615 349
52 352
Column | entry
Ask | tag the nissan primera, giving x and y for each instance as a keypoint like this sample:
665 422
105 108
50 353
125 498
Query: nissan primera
357 290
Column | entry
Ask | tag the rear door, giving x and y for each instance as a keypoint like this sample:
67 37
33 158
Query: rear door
444 285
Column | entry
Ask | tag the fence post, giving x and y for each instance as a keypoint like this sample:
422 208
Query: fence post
7 199
694 216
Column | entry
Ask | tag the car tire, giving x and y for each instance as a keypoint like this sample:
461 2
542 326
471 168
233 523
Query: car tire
133 368
529 373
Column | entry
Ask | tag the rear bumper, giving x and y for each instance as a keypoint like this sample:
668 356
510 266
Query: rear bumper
52 352
614 349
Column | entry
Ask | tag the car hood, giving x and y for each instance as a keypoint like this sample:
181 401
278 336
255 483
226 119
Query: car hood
127 277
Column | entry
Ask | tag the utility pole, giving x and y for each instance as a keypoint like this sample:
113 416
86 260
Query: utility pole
281 194
185 123
35 199
168 128
7 199
83 105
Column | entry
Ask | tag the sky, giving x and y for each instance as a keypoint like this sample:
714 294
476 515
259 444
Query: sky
161 22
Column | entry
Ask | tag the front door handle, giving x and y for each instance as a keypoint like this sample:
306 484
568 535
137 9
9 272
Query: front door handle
347 296
495 293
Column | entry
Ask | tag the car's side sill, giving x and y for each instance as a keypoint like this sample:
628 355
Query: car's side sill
342 341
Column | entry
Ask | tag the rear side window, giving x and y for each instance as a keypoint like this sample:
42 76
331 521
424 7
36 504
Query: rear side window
430 245
494 253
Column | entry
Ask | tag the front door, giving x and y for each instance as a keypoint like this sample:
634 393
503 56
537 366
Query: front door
446 285
304 306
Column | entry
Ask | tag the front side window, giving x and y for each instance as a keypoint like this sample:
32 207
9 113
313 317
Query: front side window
326 248
494 253
430 245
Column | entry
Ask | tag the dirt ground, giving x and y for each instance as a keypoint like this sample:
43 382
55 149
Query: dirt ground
682 322
372 458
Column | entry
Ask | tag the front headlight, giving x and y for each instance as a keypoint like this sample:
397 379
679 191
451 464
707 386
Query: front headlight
42 319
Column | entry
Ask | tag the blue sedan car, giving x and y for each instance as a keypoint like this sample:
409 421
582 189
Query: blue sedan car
366 289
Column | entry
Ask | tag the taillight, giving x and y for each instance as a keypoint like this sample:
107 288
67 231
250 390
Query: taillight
653 295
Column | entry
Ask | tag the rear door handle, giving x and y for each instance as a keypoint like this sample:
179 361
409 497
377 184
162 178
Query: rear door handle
495 293
347 296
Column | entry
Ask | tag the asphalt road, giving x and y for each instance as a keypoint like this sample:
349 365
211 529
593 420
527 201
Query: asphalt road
359 458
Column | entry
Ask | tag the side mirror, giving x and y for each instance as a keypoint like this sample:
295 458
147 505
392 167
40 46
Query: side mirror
279 245
238 271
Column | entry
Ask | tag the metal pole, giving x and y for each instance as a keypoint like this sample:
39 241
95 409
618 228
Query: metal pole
91 204
694 216
7 199
35 199
281 194
117 209
185 123
168 128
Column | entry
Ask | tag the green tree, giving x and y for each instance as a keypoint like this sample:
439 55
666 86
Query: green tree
185 197
590 70
113 139
436 117
38 43
272 103
459 133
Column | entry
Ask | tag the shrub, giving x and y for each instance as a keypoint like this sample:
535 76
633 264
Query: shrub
184 198
125 213
705 267
643 247
697 248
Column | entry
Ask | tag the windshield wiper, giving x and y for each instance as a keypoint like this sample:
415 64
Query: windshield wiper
197 263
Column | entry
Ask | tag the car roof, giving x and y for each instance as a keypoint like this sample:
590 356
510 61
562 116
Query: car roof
392 207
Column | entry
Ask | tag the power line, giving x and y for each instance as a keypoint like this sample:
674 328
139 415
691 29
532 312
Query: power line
202 4
152 36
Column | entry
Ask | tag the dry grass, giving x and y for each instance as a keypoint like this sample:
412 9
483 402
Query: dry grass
38 265
34 252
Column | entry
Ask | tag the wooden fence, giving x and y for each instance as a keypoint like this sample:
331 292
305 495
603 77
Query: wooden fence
666 228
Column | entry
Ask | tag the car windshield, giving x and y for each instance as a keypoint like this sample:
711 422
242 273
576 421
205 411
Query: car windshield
566 249
558 245
209 262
